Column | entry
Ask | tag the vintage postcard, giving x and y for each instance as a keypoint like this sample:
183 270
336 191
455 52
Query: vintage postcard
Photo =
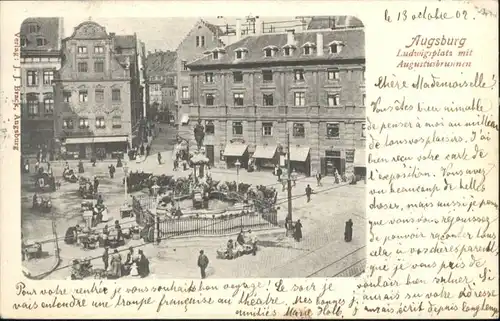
255 159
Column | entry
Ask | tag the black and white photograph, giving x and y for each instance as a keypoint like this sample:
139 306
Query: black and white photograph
210 147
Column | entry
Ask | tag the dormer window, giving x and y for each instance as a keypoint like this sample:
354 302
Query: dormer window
240 53
215 55
288 50
335 47
270 51
308 48
23 42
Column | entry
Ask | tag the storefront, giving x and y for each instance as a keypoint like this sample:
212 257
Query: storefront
360 163
266 157
334 160
236 152
86 147
300 160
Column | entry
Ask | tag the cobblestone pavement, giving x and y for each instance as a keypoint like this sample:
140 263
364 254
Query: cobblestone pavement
321 253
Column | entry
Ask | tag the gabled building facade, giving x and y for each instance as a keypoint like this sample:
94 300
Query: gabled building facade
308 87
160 71
40 59
98 99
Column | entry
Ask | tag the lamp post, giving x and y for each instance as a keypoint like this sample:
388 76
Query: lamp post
237 164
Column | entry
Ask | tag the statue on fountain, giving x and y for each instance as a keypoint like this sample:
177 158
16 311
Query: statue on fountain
199 134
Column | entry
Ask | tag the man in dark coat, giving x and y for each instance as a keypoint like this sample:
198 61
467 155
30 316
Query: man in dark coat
159 158
348 231
112 171
96 185
202 264
142 150
143 265
148 149
278 173
308 193
298 231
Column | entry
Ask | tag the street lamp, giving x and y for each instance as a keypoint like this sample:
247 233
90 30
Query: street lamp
237 164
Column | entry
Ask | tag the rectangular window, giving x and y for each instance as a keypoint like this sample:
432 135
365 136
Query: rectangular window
209 77
299 74
99 95
333 100
100 122
203 41
268 52
307 50
83 96
117 122
48 103
238 99
115 95
32 28
267 129
237 128
67 96
209 99
82 67
41 42
67 123
363 130
32 101
267 99
185 92
184 65
209 127
82 50
99 66
267 75
215 55
48 76
84 123
197 41
333 74
333 130
32 78
239 54
299 130
238 76
98 49
286 51
300 99
363 100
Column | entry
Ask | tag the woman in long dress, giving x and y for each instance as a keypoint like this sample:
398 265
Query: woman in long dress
143 265
116 265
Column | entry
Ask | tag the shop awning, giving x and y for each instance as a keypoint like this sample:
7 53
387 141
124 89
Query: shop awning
265 152
235 150
359 157
98 139
299 154
184 119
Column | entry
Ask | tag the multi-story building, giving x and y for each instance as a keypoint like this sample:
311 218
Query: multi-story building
202 37
40 58
98 99
160 67
308 87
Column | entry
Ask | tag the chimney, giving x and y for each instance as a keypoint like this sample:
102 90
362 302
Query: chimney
319 44
238 29
61 33
290 37
258 26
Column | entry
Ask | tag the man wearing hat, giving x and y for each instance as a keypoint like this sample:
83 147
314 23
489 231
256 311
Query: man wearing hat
202 264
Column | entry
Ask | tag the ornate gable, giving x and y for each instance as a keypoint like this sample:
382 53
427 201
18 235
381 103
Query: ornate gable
89 30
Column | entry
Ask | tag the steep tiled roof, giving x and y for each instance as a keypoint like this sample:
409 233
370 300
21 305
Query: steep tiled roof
161 62
46 28
126 41
353 41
